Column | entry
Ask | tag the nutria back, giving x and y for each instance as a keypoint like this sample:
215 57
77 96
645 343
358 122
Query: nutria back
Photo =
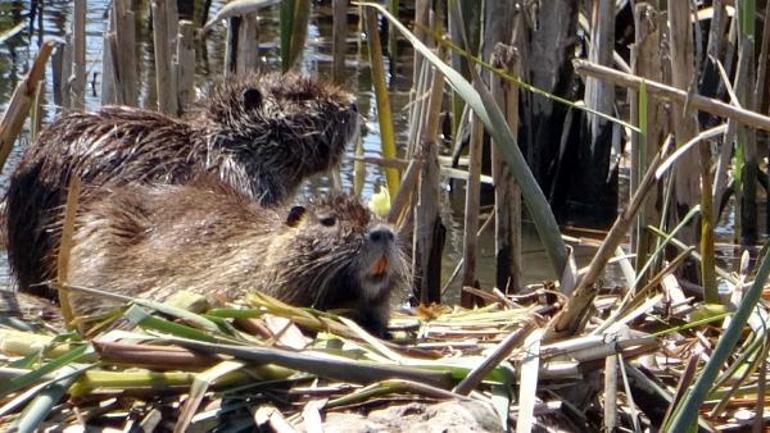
261 135
153 241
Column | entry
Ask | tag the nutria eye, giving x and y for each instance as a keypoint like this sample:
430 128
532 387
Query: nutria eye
251 99
328 221
295 215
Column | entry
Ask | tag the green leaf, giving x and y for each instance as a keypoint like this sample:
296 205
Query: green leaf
142 318
33 376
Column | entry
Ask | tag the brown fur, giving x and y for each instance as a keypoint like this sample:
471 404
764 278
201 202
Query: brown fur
262 135
153 241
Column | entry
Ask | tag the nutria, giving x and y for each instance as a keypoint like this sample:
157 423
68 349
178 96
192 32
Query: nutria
260 134
204 237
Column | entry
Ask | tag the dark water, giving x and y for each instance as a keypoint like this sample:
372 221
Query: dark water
17 54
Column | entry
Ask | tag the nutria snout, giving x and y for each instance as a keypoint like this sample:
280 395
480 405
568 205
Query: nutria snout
261 134
152 241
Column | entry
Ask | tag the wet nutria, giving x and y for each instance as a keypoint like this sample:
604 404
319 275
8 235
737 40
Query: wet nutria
153 241
261 135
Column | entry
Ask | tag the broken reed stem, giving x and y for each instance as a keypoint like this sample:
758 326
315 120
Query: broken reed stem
501 352
336 368
405 191
699 102
570 319
21 101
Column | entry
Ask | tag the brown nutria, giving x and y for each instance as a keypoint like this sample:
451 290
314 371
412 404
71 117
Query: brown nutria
261 134
153 241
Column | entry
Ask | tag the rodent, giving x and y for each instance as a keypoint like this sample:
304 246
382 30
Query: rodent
152 241
261 134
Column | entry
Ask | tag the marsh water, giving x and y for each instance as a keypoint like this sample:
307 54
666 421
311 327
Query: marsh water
24 25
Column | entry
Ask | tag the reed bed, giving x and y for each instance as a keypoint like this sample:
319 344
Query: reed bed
160 367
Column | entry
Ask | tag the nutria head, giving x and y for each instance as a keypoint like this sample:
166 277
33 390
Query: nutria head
259 114
336 248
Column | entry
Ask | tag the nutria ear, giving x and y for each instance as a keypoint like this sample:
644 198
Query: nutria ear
295 215
251 98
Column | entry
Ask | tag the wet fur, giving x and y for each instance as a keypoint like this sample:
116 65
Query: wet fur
262 145
153 241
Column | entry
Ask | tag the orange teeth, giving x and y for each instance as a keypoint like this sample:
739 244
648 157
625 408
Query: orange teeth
379 267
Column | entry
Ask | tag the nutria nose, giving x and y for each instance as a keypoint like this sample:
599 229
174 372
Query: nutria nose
381 234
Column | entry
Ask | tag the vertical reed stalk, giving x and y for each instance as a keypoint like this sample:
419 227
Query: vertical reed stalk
36 115
762 88
594 189
66 70
119 56
110 70
295 15
648 114
393 7
231 45
472 198
248 45
507 194
686 187
339 39
125 31
384 115
429 232
185 64
167 97
499 21
747 136
359 168
79 56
